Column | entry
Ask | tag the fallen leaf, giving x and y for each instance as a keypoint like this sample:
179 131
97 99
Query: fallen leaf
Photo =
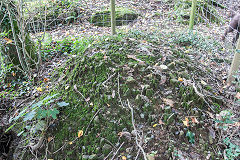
105 57
150 156
39 89
210 115
50 139
194 120
180 79
45 79
13 74
80 133
126 134
155 125
237 124
186 122
135 58
168 102
70 143
113 94
124 158
88 99
67 33
203 83
8 40
238 95
163 79
161 122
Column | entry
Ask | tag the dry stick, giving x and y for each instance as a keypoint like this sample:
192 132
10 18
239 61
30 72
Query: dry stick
140 147
36 146
119 92
117 150
75 88
108 79
108 155
109 142
92 120
201 95
88 124
60 148
137 154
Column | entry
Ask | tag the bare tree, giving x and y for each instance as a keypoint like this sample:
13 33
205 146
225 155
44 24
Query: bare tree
18 47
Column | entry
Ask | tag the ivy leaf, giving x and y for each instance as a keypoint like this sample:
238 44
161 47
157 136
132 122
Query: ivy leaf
29 116
54 113
190 136
62 104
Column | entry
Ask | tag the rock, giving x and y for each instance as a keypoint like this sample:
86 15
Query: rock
171 65
106 148
149 93
150 156
130 80
85 157
123 17
93 156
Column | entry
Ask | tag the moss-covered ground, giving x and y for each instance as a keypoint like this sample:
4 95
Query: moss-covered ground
106 76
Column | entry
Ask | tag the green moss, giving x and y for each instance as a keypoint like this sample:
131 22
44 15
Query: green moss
123 17
104 82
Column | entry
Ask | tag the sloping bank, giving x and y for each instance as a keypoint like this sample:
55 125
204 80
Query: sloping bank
103 80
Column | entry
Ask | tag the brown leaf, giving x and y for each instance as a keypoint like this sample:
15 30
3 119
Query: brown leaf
45 79
238 95
135 58
50 139
88 99
194 120
80 133
168 102
8 40
161 122
186 122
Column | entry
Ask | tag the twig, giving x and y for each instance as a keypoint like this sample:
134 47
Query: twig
140 147
197 92
75 88
36 146
137 154
202 96
119 92
108 79
92 120
117 150
109 142
60 148
108 155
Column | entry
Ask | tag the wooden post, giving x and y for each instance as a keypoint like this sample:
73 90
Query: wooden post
192 16
113 17
235 64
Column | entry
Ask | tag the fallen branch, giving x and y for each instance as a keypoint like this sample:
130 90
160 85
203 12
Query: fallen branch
117 151
136 139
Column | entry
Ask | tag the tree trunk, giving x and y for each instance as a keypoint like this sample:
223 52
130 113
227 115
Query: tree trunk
17 48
